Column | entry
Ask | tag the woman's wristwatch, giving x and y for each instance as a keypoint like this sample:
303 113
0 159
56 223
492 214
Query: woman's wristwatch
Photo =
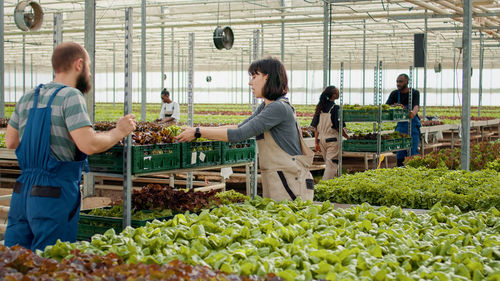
197 133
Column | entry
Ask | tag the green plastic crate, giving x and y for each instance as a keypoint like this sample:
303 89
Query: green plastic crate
398 114
88 225
237 152
353 115
201 154
370 145
407 142
145 159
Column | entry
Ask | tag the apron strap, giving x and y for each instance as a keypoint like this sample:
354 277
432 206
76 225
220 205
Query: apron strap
37 93
54 95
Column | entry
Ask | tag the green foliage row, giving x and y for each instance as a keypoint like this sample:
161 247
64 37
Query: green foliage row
19 263
415 188
481 154
305 241
2 140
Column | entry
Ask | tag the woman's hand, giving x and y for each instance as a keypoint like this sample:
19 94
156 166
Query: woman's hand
187 135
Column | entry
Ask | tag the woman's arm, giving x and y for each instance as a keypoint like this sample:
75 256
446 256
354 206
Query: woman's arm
316 140
212 133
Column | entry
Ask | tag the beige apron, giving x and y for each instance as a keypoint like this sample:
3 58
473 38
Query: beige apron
285 176
329 144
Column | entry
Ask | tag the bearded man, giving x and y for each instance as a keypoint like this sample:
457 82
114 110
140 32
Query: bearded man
52 134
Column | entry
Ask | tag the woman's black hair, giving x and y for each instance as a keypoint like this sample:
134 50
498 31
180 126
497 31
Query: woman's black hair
164 92
324 98
277 81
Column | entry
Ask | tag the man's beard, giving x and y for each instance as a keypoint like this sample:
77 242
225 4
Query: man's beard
83 83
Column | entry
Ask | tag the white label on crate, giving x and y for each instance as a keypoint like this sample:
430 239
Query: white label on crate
226 172
146 158
193 157
202 156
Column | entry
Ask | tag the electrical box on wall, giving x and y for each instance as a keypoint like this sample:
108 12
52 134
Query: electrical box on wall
458 43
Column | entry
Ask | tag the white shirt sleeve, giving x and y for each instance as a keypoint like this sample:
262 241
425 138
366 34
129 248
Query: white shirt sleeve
177 112
162 111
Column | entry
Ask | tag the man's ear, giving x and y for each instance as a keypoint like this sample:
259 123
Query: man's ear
78 64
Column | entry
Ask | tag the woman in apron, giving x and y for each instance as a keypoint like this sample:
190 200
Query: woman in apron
326 123
284 158
170 112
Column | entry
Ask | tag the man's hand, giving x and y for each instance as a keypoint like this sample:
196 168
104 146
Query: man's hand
187 135
126 124
317 147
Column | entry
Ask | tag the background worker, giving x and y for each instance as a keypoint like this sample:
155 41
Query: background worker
326 135
52 134
170 111
400 97
284 159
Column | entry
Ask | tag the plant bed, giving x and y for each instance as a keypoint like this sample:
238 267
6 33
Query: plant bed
482 154
302 241
415 188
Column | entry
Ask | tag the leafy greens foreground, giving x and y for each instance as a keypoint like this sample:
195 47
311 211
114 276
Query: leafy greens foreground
304 241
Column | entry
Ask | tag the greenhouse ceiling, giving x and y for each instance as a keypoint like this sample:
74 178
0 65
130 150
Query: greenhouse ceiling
389 26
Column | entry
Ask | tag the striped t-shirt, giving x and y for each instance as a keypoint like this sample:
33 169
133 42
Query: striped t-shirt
69 112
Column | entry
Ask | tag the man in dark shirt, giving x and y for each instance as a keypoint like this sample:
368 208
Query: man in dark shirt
400 97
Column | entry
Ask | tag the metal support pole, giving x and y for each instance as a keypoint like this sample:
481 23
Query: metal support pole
255 165
31 71
307 70
291 79
143 61
375 85
282 32
410 105
15 83
364 59
481 60
114 75
378 101
424 113
350 78
58 34
172 66
466 84
330 42
2 62
24 64
190 96
325 43
127 155
341 119
454 72
262 39
90 24
241 91
249 62
255 57
179 92
162 51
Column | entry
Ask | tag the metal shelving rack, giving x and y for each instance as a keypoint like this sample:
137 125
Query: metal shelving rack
251 167
377 126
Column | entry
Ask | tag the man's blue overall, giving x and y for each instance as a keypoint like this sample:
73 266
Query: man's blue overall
402 127
45 204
